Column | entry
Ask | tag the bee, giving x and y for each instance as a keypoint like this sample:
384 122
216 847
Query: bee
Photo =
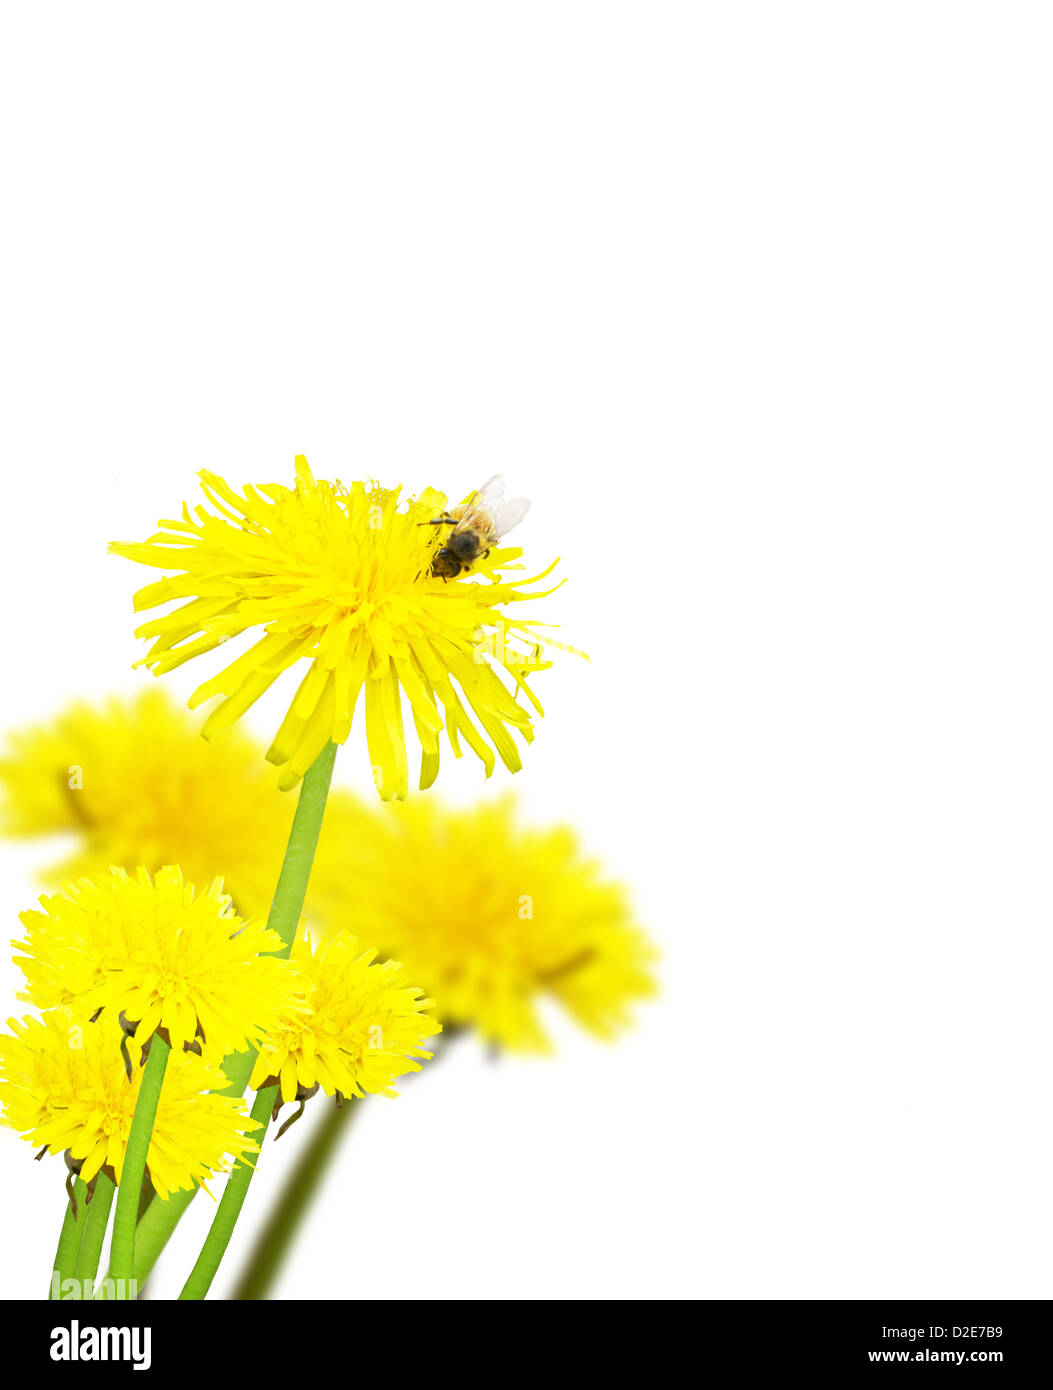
476 525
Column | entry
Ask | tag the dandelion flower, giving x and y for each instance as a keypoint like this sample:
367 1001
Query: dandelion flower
63 1087
161 956
133 780
488 917
358 1027
341 578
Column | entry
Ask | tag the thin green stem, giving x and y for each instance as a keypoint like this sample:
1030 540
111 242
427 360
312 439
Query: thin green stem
69 1239
230 1204
301 1187
278 1232
291 891
122 1247
153 1231
161 1218
94 1234
284 918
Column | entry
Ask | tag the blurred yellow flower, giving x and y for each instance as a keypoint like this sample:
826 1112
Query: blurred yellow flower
161 955
358 1029
488 917
63 1087
137 785
342 578
420 882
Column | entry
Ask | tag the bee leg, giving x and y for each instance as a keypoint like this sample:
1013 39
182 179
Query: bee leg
40 1155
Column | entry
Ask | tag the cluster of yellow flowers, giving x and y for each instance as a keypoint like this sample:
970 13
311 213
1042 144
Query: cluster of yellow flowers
488 916
115 960
157 998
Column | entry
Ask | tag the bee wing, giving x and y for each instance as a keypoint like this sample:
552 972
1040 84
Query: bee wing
484 499
490 493
508 514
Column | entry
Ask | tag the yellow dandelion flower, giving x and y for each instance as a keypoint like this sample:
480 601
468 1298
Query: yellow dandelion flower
488 917
63 1087
160 955
133 780
342 578
358 1028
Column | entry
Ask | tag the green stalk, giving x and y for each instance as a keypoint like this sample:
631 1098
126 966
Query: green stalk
279 1230
161 1218
230 1204
302 1185
289 895
153 1231
94 1234
284 918
122 1247
69 1238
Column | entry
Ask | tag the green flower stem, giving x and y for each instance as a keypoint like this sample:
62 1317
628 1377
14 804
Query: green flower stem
299 853
153 1231
69 1238
302 1185
279 1230
230 1204
122 1248
161 1218
94 1234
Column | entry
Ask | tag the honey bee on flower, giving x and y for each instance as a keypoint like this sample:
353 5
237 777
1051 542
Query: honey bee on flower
476 527
344 581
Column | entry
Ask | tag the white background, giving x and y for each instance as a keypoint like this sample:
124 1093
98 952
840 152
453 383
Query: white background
754 301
